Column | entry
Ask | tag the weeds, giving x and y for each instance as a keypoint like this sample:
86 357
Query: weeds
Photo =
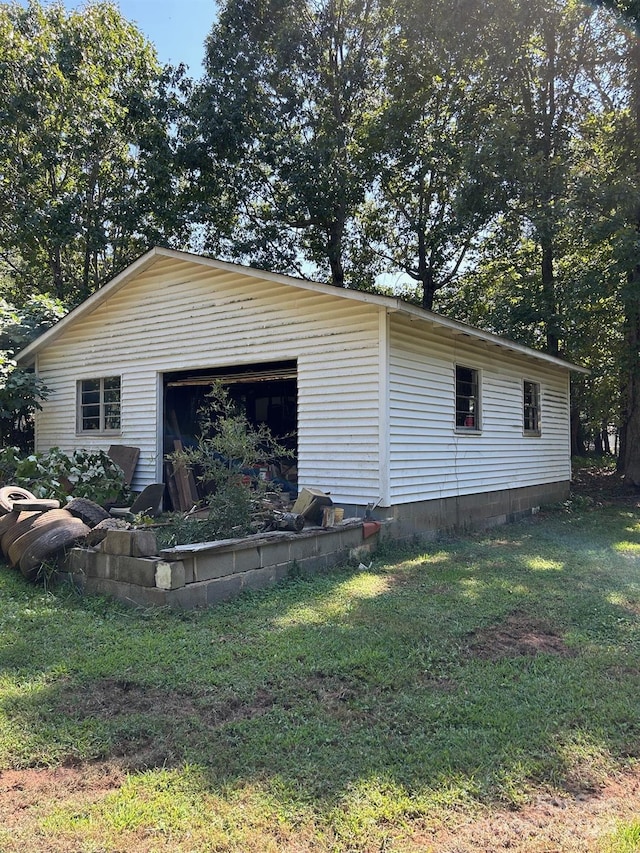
626 838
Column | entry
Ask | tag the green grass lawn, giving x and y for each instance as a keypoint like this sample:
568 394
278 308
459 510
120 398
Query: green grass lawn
353 712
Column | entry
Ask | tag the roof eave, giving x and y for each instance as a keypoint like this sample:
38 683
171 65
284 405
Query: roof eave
459 328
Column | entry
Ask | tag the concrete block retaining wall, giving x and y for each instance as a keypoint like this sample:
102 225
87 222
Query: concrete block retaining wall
206 573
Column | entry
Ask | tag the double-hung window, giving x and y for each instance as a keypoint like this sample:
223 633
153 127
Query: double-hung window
467 398
99 404
531 407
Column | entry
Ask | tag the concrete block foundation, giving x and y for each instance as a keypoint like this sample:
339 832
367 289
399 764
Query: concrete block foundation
127 568
427 519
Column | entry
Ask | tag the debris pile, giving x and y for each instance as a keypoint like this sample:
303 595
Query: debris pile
34 531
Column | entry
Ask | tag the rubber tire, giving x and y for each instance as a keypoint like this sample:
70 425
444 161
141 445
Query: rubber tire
44 522
87 510
9 494
49 543
24 522
36 505
7 521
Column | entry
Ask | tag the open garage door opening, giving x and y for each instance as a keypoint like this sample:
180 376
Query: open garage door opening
267 393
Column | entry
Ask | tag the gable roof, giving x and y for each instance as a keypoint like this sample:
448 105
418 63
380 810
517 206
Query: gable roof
391 304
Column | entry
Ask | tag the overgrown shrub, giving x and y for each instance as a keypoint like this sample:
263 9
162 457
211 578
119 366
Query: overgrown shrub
54 474
224 463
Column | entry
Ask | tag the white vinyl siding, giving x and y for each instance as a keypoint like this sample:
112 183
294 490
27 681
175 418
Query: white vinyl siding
428 458
376 390
178 315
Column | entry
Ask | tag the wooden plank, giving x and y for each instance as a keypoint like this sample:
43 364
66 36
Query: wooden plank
172 486
182 488
186 482
126 458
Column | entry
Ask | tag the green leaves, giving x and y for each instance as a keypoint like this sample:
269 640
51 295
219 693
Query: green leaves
286 89
54 474
86 165
426 143
21 391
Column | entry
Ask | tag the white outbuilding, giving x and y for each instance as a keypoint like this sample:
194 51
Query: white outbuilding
436 423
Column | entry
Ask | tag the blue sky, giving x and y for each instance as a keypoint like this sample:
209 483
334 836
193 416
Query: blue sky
178 28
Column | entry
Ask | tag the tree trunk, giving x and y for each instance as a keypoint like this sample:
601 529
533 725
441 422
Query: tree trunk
86 270
577 434
428 290
425 273
549 294
334 252
629 460
57 275
629 463
622 443
597 445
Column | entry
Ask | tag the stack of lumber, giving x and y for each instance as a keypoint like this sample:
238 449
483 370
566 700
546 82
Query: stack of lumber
181 483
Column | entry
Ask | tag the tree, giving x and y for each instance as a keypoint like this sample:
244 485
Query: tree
610 188
552 91
629 458
429 141
275 135
87 177
546 274
20 389
512 305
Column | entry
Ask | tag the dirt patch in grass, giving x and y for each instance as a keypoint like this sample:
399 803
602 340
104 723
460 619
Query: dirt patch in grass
548 824
154 744
334 694
329 688
21 791
518 636
109 698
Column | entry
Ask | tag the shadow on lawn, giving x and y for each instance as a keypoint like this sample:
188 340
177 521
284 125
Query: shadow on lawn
476 665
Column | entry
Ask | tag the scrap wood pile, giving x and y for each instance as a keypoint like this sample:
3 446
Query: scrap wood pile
273 511
34 531
311 506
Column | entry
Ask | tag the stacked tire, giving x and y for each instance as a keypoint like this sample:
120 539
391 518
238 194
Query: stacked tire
10 494
34 531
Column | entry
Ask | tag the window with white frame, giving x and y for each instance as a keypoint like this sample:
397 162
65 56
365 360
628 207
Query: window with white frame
99 404
531 407
467 398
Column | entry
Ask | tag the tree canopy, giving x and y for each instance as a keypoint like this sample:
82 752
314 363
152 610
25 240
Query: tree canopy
278 116
87 173
481 155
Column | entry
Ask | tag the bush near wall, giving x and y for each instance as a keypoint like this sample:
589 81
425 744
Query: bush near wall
54 474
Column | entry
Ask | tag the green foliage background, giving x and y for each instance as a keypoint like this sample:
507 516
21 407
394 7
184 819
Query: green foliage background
479 158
